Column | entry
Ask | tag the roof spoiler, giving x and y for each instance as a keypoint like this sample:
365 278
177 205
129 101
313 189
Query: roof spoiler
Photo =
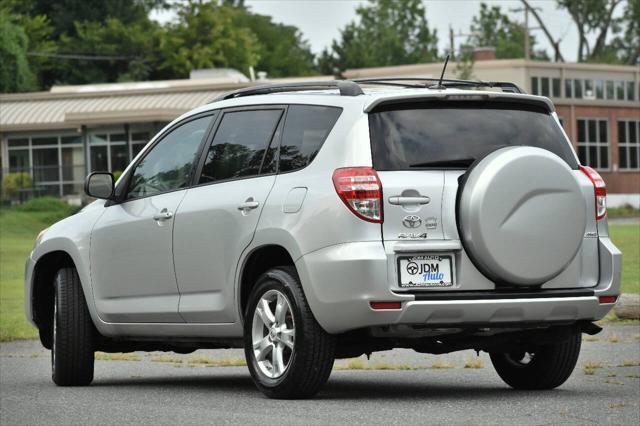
436 83
537 101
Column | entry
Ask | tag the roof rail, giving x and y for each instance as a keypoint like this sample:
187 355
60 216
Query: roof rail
346 88
411 82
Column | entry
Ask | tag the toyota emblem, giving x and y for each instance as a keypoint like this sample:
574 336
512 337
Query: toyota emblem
411 221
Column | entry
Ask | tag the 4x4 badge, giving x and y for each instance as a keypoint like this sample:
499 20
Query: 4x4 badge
411 221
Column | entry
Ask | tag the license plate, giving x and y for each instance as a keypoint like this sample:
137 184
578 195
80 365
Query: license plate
425 271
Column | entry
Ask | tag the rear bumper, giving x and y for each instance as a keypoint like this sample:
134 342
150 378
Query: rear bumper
340 282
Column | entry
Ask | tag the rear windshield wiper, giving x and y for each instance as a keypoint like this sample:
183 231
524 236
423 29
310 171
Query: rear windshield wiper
454 162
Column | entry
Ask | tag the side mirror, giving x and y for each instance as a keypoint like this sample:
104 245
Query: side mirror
99 185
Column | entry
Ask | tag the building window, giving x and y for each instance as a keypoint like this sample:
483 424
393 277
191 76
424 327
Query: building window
55 162
138 141
112 150
593 142
18 142
599 89
631 91
19 160
588 90
629 144
544 86
534 86
620 90
577 88
556 93
547 86
610 92
568 88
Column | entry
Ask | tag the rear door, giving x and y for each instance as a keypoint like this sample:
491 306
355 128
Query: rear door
218 217
421 151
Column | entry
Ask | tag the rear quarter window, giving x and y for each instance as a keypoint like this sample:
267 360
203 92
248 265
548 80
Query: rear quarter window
404 137
305 129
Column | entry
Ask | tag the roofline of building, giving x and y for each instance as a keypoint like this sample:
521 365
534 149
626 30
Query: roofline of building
189 85
34 96
78 119
156 87
487 64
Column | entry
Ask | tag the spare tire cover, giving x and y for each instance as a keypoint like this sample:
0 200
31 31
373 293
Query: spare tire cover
521 215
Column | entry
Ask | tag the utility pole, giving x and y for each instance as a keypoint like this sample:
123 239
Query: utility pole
452 50
527 42
452 37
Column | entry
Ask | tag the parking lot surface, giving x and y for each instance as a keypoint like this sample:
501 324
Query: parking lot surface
394 387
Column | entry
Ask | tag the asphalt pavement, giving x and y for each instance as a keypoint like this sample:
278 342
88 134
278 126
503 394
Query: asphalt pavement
394 387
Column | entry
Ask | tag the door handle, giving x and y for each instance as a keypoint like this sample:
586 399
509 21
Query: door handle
249 204
163 215
399 200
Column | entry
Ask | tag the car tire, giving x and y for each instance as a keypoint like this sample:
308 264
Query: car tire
546 367
72 353
306 351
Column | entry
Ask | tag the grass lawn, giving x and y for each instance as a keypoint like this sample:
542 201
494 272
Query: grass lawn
627 238
18 231
20 226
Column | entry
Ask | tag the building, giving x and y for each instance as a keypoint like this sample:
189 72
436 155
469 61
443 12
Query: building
58 137
598 105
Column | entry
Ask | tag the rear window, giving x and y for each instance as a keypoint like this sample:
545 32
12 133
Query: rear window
453 135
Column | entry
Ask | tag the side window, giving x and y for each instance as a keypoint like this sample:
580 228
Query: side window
239 145
305 130
169 164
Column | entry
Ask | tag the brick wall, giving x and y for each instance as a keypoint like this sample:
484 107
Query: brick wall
624 182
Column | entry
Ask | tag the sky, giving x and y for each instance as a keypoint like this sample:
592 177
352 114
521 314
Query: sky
320 21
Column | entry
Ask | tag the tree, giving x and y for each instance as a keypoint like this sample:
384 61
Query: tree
592 18
63 14
134 48
206 35
283 51
558 57
387 32
15 73
493 28
59 32
627 45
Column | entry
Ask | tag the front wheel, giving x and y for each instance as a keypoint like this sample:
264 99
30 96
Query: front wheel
289 355
72 355
543 367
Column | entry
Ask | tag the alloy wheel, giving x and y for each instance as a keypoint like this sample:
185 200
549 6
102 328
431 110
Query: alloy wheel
273 334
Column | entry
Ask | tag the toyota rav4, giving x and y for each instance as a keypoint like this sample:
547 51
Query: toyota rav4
314 221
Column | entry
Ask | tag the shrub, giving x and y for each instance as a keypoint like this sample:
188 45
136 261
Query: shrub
46 209
624 211
45 204
12 182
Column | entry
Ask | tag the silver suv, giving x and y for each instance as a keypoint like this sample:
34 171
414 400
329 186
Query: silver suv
316 221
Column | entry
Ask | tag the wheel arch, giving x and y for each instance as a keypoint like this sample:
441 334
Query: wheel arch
42 290
256 262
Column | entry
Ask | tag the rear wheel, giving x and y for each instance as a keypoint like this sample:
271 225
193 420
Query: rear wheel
289 355
545 367
72 354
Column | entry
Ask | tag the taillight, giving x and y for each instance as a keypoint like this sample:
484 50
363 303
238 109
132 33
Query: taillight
600 191
360 190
